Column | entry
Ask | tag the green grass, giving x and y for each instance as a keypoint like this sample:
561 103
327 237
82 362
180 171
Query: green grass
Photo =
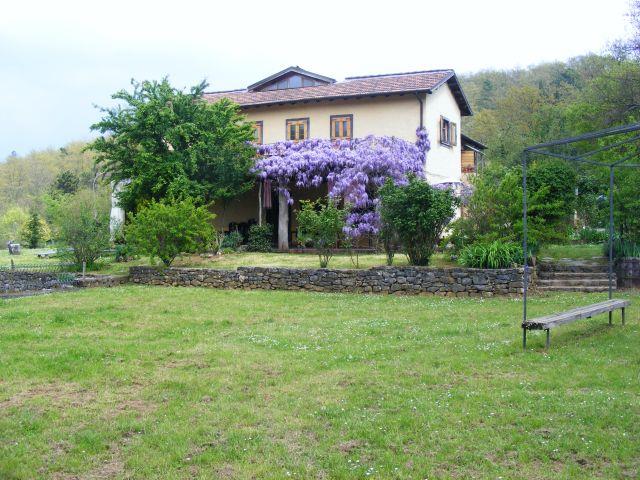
575 252
230 261
168 383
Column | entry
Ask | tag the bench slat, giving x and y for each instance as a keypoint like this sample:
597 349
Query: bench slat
551 321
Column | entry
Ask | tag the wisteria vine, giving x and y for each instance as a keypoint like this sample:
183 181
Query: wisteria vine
353 169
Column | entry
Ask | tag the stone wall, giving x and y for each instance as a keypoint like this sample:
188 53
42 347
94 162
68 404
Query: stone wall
17 281
458 282
628 272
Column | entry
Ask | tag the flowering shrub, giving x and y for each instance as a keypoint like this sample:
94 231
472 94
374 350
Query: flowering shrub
354 169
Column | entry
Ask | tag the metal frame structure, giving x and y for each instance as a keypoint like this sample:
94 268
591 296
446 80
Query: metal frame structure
630 142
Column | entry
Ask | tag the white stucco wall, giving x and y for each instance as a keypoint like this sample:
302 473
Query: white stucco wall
443 162
394 116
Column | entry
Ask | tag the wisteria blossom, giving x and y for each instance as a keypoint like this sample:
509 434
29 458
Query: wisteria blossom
353 169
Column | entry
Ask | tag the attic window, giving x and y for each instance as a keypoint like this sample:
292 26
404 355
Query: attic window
293 81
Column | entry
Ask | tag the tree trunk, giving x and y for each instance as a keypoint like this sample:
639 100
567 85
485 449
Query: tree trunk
283 222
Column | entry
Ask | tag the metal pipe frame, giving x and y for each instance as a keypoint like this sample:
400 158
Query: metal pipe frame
541 149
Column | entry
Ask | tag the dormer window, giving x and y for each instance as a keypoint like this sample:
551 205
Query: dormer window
292 77
293 81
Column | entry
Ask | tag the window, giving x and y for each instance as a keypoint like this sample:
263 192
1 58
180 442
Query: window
448 132
297 129
257 132
293 81
341 127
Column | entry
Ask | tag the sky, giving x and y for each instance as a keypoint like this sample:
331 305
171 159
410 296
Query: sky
59 59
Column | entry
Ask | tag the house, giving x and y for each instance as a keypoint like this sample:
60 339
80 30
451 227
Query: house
296 104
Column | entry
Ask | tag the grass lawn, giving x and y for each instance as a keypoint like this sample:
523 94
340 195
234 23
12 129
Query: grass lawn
230 261
577 252
167 383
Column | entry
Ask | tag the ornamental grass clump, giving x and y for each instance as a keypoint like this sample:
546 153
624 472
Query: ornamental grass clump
496 254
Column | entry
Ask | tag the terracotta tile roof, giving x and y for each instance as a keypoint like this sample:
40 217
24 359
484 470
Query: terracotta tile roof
349 88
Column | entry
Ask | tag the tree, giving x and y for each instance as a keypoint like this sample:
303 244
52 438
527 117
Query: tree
12 223
494 210
321 223
66 182
417 213
170 144
168 228
33 232
83 225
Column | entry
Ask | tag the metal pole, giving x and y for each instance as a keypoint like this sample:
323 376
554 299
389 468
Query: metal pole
524 236
610 233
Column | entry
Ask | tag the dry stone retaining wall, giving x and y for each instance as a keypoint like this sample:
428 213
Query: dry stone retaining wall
457 282
628 272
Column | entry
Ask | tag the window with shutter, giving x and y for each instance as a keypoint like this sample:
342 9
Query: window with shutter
297 129
448 132
257 132
341 127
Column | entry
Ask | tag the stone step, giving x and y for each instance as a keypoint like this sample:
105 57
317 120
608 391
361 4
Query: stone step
574 289
580 282
573 275
558 267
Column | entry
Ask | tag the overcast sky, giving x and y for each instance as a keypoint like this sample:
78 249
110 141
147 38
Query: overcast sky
59 58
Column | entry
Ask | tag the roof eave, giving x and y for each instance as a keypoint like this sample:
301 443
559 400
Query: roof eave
337 97
458 93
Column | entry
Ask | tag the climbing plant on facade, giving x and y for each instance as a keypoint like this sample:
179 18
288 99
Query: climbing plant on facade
353 169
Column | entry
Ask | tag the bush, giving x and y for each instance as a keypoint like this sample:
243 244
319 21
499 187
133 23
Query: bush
496 254
416 214
84 227
167 229
321 224
232 241
260 238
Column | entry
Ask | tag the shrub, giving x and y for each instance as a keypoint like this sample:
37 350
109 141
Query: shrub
167 229
84 227
321 224
416 214
496 254
232 241
260 237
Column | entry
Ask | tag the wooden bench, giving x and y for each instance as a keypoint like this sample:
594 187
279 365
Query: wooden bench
555 320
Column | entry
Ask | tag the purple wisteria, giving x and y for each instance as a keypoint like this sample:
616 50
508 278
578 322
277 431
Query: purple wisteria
353 169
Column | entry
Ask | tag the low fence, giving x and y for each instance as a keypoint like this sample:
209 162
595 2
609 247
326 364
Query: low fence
459 282
37 267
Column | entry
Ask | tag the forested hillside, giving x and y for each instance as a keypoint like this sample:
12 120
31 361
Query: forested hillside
25 179
521 107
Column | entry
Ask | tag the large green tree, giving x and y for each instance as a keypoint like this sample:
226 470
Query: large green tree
173 144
